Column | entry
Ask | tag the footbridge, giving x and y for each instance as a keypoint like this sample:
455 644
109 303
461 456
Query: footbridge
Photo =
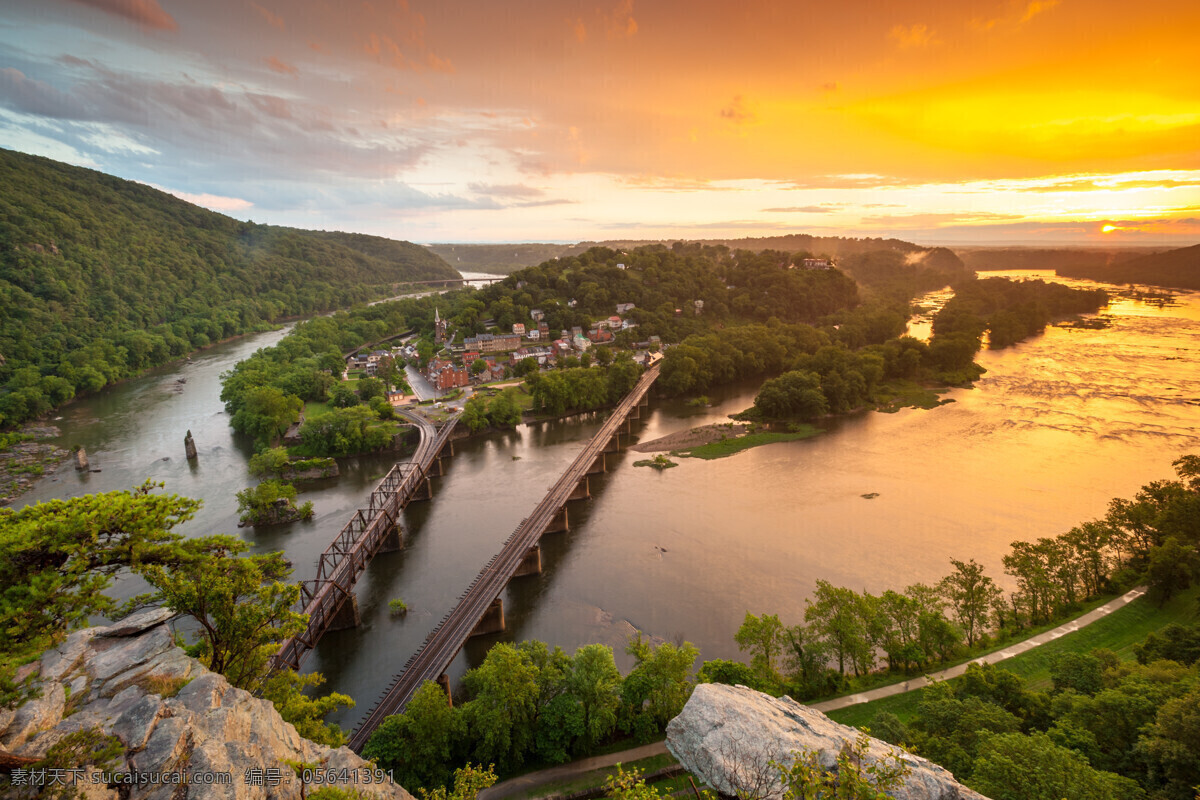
329 599
480 609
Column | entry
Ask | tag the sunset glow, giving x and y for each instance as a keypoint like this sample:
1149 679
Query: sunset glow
987 121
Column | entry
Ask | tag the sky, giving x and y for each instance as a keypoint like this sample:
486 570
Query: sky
973 121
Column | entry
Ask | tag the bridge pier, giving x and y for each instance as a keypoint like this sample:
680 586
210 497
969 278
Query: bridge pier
531 564
634 412
559 523
582 490
447 450
436 470
424 490
493 619
347 615
444 682
613 445
393 540
598 466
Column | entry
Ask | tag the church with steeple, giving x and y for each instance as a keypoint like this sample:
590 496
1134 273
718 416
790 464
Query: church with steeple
439 327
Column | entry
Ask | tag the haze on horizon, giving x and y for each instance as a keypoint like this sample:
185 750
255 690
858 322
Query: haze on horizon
1020 121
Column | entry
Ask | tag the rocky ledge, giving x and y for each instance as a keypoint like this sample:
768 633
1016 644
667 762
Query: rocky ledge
184 731
729 735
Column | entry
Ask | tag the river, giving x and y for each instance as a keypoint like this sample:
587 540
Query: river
1059 425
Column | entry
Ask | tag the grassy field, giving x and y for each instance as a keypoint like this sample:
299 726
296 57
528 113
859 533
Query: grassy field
315 409
1119 632
896 395
732 446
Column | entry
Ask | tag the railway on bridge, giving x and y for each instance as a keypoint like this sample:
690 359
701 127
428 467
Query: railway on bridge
329 599
480 609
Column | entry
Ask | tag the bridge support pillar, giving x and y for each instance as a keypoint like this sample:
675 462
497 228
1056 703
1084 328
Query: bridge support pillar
493 619
444 682
447 450
532 563
598 466
393 540
436 470
347 615
627 425
582 490
614 444
424 490
559 523
635 411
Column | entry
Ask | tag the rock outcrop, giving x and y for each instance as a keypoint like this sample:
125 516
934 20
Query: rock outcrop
185 732
728 735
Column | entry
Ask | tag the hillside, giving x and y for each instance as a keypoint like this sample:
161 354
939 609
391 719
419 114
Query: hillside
1178 269
102 277
1057 258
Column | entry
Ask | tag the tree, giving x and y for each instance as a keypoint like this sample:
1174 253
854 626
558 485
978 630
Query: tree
502 712
1014 766
630 785
271 503
266 413
369 388
342 396
469 781
240 603
474 414
596 683
857 776
504 411
835 615
658 686
971 594
285 690
765 638
421 743
478 366
58 557
1171 567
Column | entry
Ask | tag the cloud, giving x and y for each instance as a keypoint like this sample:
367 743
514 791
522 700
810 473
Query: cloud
1113 184
277 65
20 92
850 181
1036 7
510 190
936 220
147 13
620 23
664 184
913 36
274 20
736 111
802 209
214 202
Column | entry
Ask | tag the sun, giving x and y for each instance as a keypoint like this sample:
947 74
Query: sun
1109 229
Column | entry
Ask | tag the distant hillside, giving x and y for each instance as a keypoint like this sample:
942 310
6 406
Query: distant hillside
102 277
1006 258
1179 269
505 258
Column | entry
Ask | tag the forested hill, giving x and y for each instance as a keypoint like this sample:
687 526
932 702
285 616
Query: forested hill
1175 268
102 277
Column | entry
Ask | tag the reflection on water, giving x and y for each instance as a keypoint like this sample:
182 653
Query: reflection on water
1057 426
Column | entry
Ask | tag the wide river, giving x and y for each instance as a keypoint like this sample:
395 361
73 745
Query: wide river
1057 427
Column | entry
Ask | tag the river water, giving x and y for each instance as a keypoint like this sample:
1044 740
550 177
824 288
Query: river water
1058 426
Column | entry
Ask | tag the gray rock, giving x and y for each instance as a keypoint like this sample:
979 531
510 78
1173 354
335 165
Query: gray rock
134 726
174 664
123 700
203 694
35 716
119 655
163 748
139 621
59 661
728 735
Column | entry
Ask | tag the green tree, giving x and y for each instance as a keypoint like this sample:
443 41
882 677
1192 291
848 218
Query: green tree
971 595
370 388
421 743
474 414
1014 766
478 366
342 396
857 776
596 683
765 638
241 604
835 614
285 690
659 685
502 713
266 413
630 785
270 503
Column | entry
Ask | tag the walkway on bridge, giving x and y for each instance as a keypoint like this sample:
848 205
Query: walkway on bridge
329 600
480 609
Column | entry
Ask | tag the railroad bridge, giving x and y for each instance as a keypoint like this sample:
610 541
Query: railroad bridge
480 609
329 599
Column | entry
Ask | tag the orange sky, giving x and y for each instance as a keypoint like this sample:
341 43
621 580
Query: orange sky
1020 122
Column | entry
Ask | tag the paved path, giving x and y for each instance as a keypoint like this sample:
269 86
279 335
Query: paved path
990 658
532 780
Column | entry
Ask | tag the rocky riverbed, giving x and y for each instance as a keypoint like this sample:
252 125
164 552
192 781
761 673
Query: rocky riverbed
24 461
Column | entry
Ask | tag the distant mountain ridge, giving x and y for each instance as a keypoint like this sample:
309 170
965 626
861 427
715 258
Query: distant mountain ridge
102 277
1178 269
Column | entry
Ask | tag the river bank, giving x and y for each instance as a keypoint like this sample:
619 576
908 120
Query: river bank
25 456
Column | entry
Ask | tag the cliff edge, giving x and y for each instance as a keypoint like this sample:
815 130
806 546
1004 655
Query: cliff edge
184 731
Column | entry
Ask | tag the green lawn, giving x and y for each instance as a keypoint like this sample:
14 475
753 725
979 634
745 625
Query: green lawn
732 446
314 409
1119 631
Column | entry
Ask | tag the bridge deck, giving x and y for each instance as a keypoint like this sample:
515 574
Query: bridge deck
444 643
359 540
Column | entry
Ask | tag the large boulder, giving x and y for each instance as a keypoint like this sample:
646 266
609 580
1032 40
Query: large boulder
729 735
178 724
